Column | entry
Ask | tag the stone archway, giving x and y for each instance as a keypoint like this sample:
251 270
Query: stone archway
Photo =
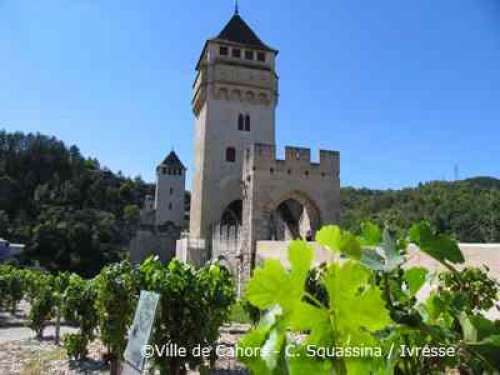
232 214
293 216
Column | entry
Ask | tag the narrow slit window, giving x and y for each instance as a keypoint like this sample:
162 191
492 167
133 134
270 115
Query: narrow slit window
241 121
231 154
247 123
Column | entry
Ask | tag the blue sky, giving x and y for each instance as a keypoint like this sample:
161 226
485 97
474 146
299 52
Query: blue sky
403 89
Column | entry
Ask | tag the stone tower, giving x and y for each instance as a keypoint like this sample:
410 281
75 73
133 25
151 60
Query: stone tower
235 94
170 185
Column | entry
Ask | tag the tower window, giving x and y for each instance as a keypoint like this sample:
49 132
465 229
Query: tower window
261 56
231 154
164 170
223 50
249 55
171 190
170 206
236 52
241 122
247 123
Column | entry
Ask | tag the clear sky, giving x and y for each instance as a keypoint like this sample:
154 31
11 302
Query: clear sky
403 89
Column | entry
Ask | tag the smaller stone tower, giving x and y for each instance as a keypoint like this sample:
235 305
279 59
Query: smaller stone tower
170 185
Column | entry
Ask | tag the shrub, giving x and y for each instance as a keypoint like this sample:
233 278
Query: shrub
11 287
42 303
116 293
79 308
193 306
75 346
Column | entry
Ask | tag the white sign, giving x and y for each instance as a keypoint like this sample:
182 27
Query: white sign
140 332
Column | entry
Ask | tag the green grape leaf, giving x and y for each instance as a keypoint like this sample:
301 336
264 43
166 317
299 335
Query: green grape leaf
362 366
272 284
335 239
269 285
393 258
385 258
300 362
489 348
485 327
248 350
371 235
306 317
357 305
300 256
415 278
373 260
439 246
250 347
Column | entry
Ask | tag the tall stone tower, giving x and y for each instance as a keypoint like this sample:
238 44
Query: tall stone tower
235 94
170 185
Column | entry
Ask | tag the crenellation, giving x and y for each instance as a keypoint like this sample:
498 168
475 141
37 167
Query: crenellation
262 157
330 161
297 154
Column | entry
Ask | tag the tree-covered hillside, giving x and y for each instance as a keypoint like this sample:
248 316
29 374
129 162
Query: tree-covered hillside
72 213
468 209
75 215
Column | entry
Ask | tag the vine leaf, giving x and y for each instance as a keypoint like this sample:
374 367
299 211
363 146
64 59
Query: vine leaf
439 246
371 235
357 305
385 257
268 286
415 278
489 349
272 284
335 239
300 256
300 363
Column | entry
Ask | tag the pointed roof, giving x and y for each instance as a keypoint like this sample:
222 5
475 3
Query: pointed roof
172 160
238 31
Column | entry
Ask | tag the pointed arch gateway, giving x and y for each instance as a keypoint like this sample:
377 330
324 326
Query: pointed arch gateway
292 216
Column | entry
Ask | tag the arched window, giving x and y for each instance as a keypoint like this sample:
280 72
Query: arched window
241 120
247 123
231 154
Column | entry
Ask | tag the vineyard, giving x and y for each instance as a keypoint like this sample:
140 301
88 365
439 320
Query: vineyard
361 314
104 306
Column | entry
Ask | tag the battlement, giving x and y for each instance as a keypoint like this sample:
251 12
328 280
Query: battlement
260 157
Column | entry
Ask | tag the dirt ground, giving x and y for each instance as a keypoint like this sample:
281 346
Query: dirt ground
22 354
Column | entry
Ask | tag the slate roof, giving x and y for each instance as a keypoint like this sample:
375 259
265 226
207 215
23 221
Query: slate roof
172 160
238 31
